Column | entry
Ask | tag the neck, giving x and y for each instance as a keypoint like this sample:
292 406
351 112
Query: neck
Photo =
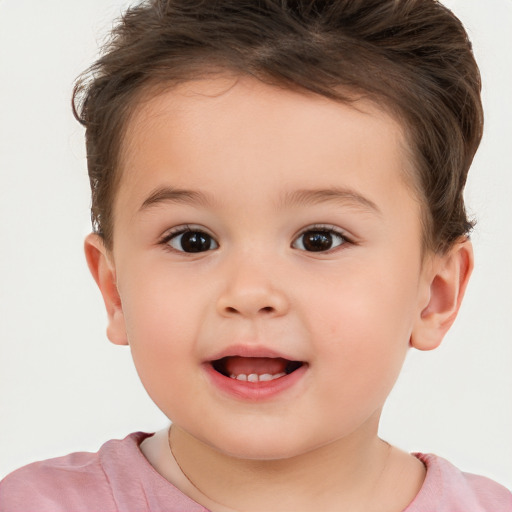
344 475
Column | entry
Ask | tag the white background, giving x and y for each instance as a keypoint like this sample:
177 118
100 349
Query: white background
64 388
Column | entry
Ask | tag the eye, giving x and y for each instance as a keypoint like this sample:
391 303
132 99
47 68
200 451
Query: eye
190 241
319 239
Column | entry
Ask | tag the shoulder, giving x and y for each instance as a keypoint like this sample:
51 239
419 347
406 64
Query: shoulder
77 482
63 483
448 489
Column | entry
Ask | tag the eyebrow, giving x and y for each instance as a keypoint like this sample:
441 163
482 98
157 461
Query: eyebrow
344 196
176 195
304 197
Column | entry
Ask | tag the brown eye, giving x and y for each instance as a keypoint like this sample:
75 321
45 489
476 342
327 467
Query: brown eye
192 241
319 240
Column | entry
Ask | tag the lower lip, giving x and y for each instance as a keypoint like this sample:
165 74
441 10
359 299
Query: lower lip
254 391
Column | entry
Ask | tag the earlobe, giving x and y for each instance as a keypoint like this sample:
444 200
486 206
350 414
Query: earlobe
445 284
103 271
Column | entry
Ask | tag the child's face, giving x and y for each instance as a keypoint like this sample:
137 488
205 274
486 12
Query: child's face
272 175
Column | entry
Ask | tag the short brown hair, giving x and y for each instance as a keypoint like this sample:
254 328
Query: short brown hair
412 57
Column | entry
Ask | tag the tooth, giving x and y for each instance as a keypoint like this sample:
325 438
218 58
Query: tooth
254 377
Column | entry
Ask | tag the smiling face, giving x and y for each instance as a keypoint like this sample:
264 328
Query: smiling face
267 235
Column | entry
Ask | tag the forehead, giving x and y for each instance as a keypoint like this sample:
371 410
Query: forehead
226 132
213 100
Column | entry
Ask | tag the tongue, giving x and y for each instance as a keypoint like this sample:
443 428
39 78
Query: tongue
236 365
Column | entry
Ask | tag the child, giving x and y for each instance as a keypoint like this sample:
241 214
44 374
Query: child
278 216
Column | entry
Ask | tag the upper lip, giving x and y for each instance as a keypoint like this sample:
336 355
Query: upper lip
245 350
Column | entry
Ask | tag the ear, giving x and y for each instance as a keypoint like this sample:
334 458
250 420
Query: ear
103 270
445 282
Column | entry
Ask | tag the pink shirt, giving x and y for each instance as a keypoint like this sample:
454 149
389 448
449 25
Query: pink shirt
119 478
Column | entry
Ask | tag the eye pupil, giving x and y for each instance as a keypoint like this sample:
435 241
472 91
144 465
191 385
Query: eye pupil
317 241
193 241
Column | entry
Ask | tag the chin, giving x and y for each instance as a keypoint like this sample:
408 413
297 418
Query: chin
262 445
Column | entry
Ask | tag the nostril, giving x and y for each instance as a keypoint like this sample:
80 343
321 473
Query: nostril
266 309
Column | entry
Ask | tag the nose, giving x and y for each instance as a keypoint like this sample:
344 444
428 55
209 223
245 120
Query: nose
251 291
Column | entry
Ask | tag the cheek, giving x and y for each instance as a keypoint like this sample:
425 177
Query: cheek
157 303
365 308
161 322
361 323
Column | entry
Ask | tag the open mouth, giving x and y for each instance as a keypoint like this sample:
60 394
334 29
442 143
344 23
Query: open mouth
255 369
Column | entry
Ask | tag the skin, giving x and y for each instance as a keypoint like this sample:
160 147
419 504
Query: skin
350 313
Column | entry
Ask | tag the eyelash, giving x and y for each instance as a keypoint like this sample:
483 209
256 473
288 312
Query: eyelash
328 229
316 228
181 230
